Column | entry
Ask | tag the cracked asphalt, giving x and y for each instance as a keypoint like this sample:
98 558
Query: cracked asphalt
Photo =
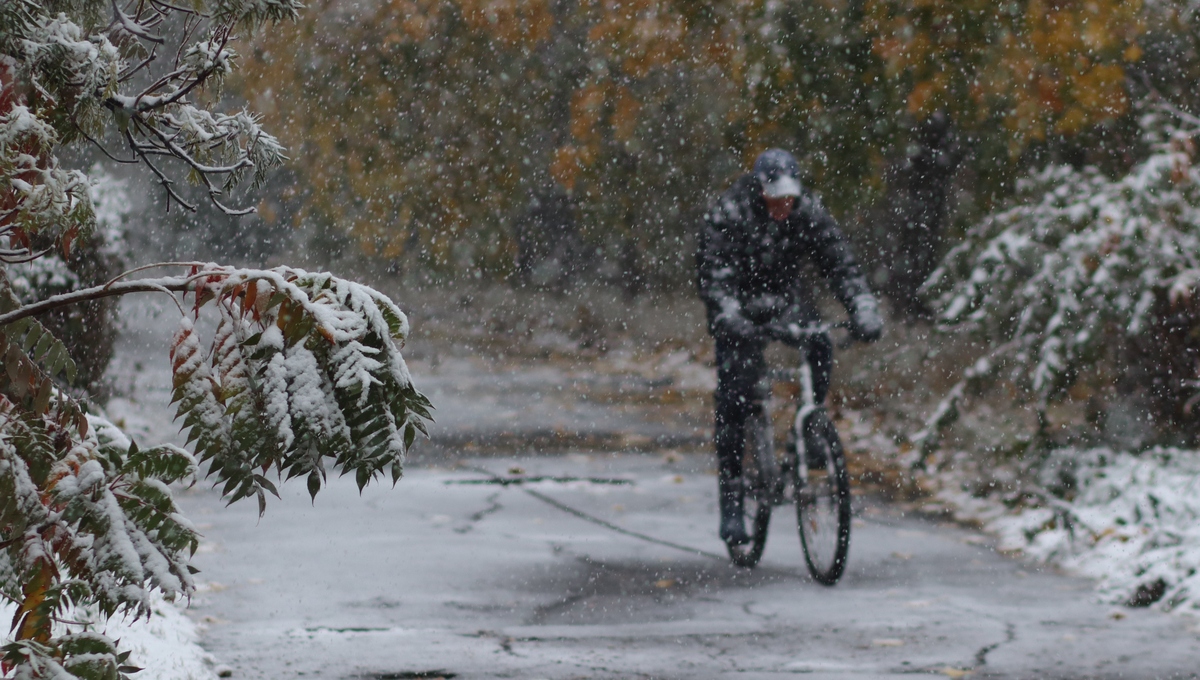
576 563
452 574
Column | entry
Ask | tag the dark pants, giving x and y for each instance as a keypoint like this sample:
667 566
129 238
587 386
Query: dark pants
740 366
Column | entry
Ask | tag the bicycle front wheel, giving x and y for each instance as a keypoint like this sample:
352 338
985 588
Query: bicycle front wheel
759 479
822 495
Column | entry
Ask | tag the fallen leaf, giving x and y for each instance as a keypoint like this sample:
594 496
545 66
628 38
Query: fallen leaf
887 642
955 672
665 583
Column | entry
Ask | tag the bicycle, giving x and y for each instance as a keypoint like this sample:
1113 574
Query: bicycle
811 473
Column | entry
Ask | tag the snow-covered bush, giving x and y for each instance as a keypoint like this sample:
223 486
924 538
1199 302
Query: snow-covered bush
1131 522
303 375
1086 286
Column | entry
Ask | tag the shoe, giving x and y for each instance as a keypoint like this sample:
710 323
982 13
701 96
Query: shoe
731 500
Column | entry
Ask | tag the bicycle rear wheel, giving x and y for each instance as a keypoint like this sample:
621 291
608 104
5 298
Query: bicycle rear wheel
822 495
759 478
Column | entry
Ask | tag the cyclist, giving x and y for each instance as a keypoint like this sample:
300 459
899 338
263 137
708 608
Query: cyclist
749 257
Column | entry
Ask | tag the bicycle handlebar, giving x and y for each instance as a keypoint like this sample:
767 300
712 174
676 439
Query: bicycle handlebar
794 331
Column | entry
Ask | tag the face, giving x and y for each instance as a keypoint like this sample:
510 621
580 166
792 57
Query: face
779 208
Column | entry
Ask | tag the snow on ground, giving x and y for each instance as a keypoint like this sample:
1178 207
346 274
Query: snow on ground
1132 522
165 647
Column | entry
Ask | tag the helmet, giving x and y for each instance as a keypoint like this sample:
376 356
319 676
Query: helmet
779 173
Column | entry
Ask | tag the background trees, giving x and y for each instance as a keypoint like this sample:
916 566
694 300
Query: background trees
426 129
453 135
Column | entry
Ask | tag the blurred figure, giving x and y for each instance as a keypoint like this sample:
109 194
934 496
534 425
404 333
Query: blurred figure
751 249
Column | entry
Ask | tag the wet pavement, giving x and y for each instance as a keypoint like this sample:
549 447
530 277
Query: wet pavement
588 564
451 573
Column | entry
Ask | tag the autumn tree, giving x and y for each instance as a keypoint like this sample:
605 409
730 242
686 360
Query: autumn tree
991 84
303 375
439 121
425 128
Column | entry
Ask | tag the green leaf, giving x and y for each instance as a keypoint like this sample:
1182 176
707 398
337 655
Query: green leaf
267 484
43 346
41 403
419 408
314 484
410 435
35 333
275 300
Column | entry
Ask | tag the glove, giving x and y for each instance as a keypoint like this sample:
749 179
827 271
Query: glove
866 325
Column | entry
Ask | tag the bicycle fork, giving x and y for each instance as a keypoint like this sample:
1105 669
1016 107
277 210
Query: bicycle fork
808 405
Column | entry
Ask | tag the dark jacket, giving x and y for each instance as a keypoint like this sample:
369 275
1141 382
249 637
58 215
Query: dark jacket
749 266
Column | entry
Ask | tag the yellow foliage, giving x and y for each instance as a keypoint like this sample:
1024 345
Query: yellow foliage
1049 65
565 166
399 104
513 23
625 114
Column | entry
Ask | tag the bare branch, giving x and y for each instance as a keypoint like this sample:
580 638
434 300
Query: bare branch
132 27
1161 100
22 256
176 8
131 71
166 285
232 212
206 171
156 265
98 145
165 181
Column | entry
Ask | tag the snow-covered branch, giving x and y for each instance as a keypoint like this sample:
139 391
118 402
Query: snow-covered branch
1092 281
303 376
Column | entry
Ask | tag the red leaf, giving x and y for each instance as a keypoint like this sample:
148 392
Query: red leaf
250 299
67 238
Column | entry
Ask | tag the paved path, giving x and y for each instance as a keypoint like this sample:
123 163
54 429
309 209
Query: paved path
446 573
443 573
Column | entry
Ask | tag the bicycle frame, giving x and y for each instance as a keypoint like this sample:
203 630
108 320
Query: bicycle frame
808 405
778 474
823 499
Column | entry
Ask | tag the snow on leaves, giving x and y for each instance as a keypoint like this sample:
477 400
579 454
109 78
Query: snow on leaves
67 73
86 517
303 374
37 193
1086 279
304 369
